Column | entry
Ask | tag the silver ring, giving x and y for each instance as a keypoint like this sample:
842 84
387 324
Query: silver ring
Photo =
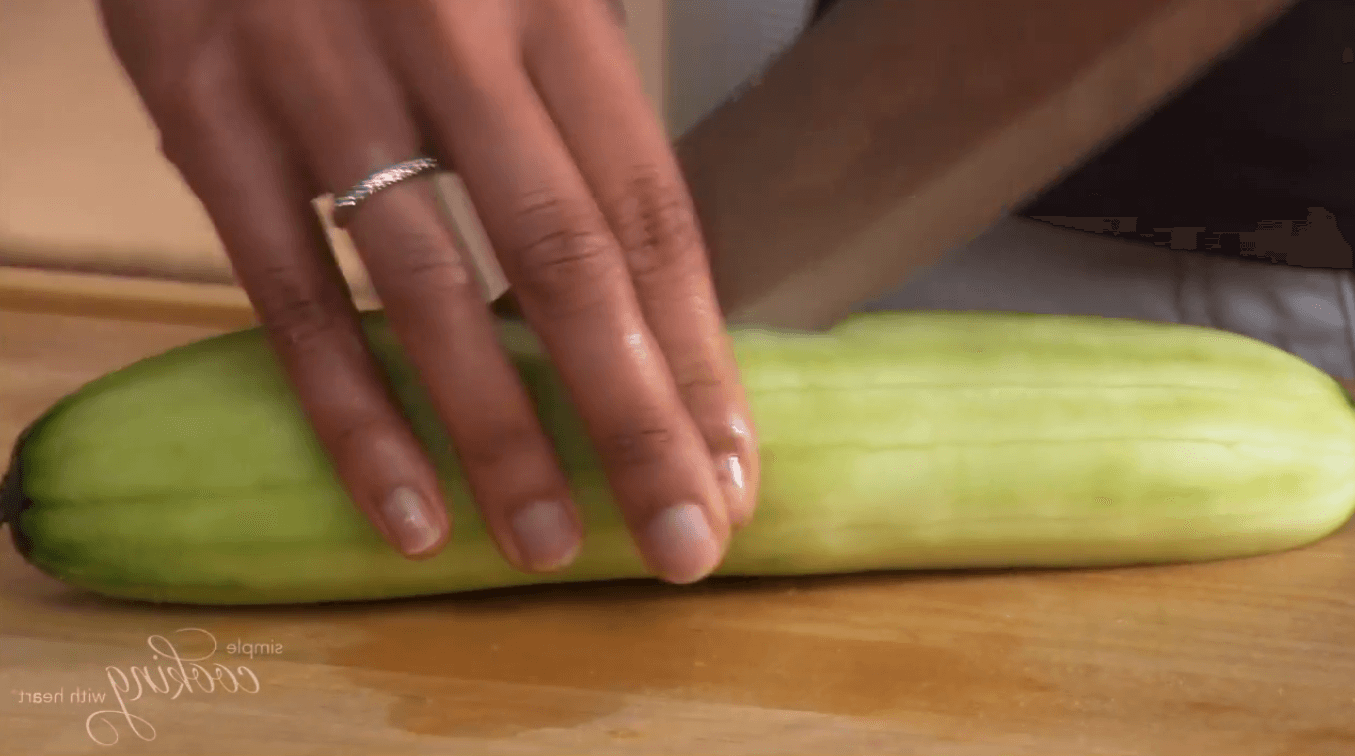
345 204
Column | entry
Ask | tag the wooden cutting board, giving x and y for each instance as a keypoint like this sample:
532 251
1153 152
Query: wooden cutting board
1244 657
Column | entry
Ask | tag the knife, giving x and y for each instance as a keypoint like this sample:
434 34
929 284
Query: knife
893 131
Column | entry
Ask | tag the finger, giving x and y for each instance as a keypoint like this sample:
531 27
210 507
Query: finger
567 270
582 66
348 116
260 205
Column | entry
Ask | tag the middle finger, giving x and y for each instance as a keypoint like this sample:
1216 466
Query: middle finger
464 64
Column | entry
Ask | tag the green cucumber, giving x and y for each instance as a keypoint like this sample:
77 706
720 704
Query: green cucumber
920 440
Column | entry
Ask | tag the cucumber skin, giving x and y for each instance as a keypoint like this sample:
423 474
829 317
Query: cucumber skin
936 440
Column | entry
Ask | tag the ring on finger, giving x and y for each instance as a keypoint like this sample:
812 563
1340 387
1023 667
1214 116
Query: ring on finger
346 204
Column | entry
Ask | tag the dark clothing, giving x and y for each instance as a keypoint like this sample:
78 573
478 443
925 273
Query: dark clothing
1266 134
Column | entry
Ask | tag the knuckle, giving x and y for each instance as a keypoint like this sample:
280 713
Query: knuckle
294 312
429 261
639 444
178 70
561 249
182 118
353 440
186 107
705 393
502 446
656 226
699 376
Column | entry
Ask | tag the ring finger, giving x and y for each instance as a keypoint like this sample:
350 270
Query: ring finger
348 116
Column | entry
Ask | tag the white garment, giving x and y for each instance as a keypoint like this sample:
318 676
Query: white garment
718 46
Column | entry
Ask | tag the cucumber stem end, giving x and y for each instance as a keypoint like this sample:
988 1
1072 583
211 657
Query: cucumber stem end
13 499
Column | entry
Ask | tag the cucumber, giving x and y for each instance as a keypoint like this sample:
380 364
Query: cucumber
894 441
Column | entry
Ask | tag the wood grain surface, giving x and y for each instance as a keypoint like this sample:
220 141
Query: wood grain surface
1238 658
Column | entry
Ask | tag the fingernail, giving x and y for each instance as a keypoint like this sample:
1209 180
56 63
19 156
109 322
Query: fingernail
545 536
682 544
406 515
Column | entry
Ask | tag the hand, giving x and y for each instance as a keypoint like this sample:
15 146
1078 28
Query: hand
263 105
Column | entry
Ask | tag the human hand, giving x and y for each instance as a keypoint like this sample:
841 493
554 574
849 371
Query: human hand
263 105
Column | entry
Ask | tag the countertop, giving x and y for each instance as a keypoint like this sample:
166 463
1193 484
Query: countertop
1253 656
